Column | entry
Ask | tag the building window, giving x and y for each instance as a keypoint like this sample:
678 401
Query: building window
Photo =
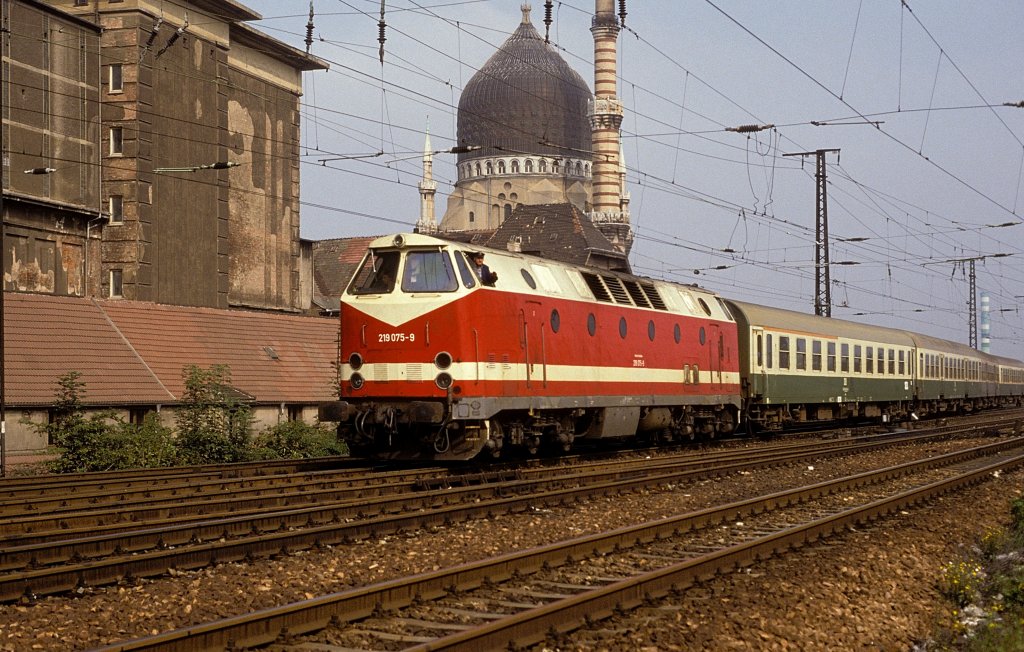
116 284
116 141
472 216
116 78
116 209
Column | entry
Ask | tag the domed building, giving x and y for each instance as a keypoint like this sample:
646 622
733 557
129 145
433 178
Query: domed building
523 119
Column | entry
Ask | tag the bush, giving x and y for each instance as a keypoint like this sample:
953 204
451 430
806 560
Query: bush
214 426
297 439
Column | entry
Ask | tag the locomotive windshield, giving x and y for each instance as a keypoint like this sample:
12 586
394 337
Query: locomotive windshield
428 271
377 274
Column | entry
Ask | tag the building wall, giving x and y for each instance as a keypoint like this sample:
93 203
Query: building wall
50 122
263 244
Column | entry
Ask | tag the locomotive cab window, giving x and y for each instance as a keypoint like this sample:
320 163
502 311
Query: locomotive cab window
428 271
377 274
465 272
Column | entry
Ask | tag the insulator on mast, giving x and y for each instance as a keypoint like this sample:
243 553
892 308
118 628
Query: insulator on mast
381 25
309 28
547 20
622 12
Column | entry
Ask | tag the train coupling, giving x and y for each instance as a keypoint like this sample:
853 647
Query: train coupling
384 413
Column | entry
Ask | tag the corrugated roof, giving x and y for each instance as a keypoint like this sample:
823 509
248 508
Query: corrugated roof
134 352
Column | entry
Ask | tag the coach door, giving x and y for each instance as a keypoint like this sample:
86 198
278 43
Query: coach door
760 351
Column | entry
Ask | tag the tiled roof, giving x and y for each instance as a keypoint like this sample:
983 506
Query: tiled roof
334 263
558 232
133 352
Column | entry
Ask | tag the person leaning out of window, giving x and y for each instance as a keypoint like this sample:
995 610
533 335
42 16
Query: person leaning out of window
483 272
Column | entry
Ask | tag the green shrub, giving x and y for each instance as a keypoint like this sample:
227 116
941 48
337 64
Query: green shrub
214 425
297 439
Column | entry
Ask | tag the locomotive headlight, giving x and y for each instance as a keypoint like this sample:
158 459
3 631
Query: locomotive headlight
443 360
443 380
356 380
355 361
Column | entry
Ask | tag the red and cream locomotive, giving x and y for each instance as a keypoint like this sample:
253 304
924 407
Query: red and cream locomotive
437 365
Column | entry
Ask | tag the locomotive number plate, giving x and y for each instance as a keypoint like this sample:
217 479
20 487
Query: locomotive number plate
396 337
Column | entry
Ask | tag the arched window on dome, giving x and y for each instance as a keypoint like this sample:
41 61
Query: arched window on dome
515 166
501 167
579 169
543 165
529 165
586 169
477 169
489 168
554 166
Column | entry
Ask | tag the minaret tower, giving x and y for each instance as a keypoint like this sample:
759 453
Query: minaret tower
428 188
605 113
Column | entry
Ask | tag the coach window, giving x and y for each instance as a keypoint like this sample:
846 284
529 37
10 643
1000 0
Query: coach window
869 361
815 355
591 324
801 354
831 357
903 368
622 327
881 360
769 351
845 364
760 350
858 353
892 362
783 352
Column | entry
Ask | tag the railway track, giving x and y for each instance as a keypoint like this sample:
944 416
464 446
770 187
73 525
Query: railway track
65 554
518 599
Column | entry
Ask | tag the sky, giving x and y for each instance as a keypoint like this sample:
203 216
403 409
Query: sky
928 173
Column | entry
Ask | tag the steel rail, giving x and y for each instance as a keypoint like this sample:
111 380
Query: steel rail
268 625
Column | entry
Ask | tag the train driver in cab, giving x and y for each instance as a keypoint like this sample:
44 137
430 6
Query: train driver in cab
483 272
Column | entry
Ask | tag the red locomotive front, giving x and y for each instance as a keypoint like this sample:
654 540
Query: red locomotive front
439 361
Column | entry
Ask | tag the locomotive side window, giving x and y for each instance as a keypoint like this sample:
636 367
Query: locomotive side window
677 334
377 273
783 352
832 357
650 330
529 279
429 271
556 321
591 324
622 327
467 275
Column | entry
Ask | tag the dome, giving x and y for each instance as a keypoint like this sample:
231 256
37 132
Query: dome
524 95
